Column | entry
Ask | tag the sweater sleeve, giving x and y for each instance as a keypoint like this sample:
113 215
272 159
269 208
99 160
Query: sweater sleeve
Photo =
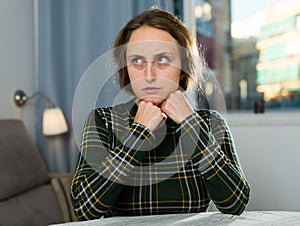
103 165
214 154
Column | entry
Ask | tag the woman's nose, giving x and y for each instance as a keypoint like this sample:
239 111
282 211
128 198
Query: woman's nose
150 75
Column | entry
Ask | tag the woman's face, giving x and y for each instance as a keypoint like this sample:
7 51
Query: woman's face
153 64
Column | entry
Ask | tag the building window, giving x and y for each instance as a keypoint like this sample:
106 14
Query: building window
203 12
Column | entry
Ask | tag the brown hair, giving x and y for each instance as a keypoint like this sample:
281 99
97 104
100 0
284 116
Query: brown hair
163 20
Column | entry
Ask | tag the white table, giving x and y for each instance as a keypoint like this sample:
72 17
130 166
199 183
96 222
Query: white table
254 218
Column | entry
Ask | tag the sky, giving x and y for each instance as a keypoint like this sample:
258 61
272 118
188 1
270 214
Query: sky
242 9
247 15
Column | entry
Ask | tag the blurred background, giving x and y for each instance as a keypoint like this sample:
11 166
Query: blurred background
252 50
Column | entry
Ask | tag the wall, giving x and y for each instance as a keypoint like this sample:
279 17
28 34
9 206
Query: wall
268 148
16 58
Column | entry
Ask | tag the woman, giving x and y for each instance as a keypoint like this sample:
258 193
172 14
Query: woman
155 154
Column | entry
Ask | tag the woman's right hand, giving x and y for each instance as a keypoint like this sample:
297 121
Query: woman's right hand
149 115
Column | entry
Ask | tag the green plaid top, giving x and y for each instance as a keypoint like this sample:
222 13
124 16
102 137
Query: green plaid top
126 170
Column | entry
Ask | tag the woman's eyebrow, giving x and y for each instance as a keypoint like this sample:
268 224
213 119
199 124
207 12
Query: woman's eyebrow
134 55
164 53
157 54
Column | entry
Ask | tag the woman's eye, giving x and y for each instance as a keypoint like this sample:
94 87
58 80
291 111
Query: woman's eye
162 60
137 61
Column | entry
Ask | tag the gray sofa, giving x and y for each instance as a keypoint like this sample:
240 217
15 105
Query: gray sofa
29 195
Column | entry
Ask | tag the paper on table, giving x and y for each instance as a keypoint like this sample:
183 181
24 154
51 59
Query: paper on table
208 219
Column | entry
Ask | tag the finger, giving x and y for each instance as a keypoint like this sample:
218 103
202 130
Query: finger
137 101
167 107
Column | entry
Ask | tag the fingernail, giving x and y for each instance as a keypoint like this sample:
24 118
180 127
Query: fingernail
164 116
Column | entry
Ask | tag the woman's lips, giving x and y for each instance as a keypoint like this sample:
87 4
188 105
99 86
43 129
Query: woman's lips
151 90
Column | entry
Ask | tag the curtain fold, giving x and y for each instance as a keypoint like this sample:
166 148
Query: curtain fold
71 35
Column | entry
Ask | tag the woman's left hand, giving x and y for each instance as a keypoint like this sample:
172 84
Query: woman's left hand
177 107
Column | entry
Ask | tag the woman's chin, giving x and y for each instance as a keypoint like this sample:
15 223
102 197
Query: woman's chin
155 100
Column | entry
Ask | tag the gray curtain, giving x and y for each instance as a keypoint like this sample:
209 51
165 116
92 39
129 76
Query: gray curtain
70 35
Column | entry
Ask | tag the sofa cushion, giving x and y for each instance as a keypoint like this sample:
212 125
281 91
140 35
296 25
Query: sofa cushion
37 207
21 165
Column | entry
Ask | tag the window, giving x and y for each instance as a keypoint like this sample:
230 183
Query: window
252 49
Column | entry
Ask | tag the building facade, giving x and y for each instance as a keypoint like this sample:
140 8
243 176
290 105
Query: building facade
278 69
213 32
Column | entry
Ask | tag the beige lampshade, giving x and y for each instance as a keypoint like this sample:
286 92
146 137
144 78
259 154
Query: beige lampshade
54 122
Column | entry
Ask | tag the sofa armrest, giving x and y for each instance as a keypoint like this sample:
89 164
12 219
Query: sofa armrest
61 183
